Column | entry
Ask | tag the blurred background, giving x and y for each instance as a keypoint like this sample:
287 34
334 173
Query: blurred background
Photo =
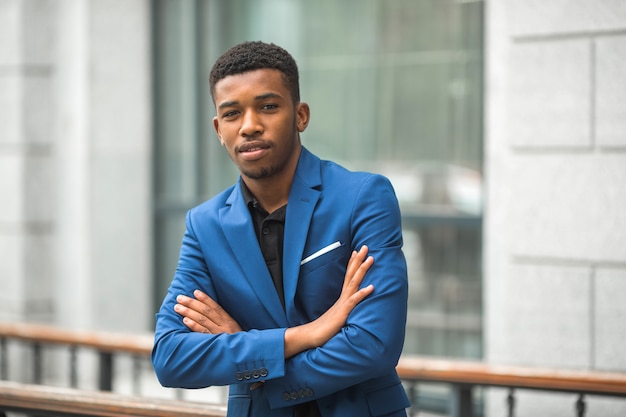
501 124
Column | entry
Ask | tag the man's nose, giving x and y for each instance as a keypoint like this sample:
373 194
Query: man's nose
251 124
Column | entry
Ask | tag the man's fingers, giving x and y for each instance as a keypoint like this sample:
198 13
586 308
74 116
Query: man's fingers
194 327
202 304
356 259
205 299
355 264
204 312
194 321
357 297
357 278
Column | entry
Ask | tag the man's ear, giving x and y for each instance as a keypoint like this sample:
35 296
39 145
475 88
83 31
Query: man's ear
303 115
216 126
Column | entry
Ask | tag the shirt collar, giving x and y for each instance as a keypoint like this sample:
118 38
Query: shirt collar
247 195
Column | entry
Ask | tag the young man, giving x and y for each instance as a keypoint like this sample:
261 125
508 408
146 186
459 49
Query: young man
274 293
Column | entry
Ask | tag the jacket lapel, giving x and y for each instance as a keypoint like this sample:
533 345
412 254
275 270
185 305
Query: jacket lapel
239 232
303 198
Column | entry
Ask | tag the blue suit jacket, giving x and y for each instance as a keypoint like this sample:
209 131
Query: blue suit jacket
330 212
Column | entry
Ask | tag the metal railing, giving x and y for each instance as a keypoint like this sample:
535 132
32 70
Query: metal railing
106 345
58 401
462 376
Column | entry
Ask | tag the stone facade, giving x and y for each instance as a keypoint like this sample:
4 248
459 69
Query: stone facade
555 162
75 155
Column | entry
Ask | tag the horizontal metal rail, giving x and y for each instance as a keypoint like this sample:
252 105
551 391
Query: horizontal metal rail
478 373
57 401
101 341
464 376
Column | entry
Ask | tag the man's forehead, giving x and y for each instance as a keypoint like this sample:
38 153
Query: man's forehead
261 83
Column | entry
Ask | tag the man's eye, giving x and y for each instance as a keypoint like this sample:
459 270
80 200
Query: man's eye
229 114
270 106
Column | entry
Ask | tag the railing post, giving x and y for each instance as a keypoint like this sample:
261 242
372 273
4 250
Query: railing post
413 399
37 366
73 367
580 406
510 402
136 374
106 371
4 363
461 401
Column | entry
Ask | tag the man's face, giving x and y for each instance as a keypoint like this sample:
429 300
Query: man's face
258 123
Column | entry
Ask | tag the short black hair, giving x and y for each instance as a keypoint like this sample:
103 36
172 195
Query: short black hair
250 56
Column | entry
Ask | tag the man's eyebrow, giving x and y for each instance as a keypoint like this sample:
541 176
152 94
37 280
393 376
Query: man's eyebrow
260 97
267 95
225 104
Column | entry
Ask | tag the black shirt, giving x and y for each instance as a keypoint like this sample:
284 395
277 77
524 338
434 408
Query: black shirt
270 231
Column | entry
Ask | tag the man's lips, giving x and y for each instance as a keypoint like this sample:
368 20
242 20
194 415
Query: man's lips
253 150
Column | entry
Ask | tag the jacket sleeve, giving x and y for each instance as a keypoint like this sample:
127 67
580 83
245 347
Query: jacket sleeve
370 343
185 359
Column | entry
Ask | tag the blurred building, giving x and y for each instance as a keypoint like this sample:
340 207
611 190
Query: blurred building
502 125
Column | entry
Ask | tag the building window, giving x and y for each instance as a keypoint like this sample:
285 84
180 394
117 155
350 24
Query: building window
394 87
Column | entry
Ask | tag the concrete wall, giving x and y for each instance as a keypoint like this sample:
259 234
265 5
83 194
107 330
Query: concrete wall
75 155
555 152
25 161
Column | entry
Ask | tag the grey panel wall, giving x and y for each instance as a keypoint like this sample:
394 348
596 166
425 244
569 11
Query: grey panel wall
75 154
26 159
555 230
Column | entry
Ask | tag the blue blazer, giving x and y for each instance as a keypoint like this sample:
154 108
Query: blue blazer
331 211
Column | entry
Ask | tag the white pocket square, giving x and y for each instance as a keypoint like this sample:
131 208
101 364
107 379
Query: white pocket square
321 252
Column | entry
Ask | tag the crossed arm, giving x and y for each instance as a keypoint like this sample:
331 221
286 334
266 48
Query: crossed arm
202 314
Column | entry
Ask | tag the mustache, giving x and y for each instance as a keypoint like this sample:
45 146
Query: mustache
253 145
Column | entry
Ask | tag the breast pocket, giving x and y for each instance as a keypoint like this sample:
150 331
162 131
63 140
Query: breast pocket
332 253
320 282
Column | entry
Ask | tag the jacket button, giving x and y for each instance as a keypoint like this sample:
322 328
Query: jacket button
286 396
294 395
308 392
239 376
247 374
256 374
301 393
263 372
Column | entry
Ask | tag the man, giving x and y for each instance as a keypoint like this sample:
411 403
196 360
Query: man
274 293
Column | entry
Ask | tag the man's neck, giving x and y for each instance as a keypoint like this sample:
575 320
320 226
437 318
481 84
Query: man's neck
271 196
273 192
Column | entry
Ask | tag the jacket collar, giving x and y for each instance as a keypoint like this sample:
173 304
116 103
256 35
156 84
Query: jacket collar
239 232
303 197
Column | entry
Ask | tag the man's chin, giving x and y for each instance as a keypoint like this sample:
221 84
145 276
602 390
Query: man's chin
258 174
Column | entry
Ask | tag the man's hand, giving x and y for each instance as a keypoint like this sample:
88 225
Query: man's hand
202 314
319 331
